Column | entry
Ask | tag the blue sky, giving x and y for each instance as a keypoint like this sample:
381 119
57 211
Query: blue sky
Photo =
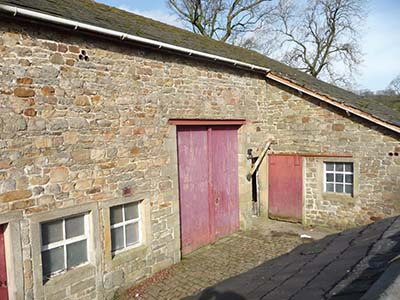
380 38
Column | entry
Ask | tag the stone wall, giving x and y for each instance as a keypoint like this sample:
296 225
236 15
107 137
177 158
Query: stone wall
84 126
85 121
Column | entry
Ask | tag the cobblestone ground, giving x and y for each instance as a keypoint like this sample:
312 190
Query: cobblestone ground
228 257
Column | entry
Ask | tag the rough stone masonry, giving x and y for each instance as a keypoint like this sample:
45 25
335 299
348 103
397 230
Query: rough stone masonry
84 126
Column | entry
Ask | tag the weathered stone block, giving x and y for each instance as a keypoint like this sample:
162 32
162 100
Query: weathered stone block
59 124
28 279
30 112
22 182
49 72
81 155
84 184
37 190
123 100
96 99
144 71
103 123
50 45
24 62
78 123
43 142
8 185
70 62
53 188
24 204
135 151
113 279
138 131
48 91
15 195
165 185
36 124
82 101
94 191
338 127
57 59
5 164
24 80
46 200
71 138
83 285
11 38
74 49
59 174
97 154
62 48
24 92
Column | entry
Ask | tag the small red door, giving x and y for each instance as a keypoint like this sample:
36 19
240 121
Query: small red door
208 184
285 187
3 269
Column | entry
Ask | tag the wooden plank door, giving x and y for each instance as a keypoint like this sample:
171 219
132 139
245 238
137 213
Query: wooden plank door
208 184
193 187
285 187
224 179
3 269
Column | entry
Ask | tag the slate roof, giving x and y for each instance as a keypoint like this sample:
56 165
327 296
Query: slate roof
343 266
90 12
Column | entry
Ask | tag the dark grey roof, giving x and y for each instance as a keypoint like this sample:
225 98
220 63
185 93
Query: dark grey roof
343 266
90 12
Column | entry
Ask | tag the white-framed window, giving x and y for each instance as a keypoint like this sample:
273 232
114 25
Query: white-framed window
125 226
339 177
64 244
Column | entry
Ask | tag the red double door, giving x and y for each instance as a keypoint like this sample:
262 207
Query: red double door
3 269
208 184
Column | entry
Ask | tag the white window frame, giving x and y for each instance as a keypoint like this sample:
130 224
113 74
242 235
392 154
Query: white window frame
65 242
124 223
334 172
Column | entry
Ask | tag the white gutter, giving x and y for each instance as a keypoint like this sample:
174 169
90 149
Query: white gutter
124 36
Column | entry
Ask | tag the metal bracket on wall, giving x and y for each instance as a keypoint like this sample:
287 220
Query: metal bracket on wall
259 160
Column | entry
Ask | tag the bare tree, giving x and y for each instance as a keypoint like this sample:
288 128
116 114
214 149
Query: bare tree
320 38
224 20
394 85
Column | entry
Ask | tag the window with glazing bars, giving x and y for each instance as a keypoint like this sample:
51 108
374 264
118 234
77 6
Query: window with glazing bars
339 177
64 244
125 226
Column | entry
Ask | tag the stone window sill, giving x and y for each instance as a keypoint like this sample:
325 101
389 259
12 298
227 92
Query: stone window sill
129 255
71 276
337 196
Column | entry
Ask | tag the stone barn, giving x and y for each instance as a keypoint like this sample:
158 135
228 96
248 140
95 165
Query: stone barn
125 143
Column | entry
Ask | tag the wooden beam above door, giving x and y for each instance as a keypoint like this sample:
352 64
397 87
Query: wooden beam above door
206 122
